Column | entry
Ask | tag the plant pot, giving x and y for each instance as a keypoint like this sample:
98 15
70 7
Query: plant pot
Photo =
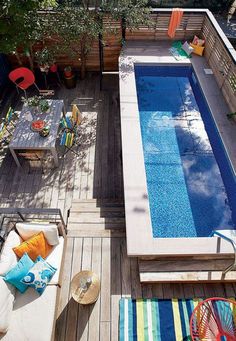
44 68
68 72
70 82
53 68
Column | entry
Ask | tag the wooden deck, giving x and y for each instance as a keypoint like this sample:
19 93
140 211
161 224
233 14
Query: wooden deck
96 173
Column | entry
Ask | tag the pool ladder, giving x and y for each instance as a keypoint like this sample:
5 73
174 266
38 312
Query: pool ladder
230 267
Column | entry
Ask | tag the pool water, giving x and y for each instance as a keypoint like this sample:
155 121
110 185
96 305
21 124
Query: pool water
184 156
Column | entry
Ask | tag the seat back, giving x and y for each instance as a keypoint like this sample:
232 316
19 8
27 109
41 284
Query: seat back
76 115
67 138
22 77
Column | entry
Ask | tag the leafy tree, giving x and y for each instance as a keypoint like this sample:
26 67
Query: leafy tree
76 26
73 31
20 25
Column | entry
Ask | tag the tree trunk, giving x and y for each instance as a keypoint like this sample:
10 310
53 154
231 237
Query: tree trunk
18 58
83 66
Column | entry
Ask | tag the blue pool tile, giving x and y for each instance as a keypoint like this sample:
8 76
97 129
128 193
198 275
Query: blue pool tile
185 187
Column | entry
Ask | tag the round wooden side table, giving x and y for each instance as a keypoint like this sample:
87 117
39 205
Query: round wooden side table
85 287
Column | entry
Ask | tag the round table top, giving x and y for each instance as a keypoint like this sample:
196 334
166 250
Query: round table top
85 287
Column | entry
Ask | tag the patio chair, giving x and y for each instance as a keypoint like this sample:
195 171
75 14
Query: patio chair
10 117
23 78
70 126
33 155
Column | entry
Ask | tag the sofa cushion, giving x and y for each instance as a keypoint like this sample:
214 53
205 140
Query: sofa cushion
39 275
7 296
15 275
33 316
187 48
55 259
27 230
36 246
8 258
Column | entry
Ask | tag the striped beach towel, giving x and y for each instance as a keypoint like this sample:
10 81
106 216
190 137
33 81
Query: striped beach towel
156 319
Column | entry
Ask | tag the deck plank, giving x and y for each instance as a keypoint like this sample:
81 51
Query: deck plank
73 307
94 318
61 315
84 310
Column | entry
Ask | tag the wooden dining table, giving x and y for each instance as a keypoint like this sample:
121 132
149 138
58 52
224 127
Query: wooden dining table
24 138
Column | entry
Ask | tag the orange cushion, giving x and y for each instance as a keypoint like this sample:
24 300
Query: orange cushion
35 246
197 49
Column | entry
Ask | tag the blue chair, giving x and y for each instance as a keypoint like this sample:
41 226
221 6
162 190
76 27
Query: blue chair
70 132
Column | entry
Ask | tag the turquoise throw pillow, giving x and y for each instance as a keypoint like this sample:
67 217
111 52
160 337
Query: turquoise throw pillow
39 275
15 275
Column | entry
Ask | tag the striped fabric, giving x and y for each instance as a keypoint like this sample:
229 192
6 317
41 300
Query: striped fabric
156 319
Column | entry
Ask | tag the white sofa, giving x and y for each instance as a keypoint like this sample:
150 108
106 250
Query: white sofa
33 316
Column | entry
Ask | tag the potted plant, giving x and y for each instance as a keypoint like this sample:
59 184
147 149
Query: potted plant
68 71
44 106
32 102
45 59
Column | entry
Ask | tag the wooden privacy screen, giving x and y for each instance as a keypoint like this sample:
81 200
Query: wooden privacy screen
221 62
199 22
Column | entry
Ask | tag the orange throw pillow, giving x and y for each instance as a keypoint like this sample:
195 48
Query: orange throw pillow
197 49
36 246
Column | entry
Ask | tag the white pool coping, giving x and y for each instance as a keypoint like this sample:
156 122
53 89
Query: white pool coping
140 240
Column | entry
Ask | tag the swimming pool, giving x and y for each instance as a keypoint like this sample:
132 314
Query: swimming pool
190 183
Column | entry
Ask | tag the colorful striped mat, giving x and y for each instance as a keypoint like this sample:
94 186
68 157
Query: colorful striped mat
155 319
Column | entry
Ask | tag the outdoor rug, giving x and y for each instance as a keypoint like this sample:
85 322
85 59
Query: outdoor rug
156 319
177 51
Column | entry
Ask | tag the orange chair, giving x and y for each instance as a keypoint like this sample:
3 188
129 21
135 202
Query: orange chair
23 78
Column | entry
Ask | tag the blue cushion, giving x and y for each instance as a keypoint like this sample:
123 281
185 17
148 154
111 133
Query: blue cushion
39 275
15 275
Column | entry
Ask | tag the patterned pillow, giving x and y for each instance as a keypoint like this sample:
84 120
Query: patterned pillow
15 275
198 41
39 275
187 48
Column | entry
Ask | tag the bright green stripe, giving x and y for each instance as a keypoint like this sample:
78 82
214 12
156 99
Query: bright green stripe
186 319
154 320
145 320
122 322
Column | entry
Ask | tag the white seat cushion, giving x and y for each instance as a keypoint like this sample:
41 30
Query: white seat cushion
54 259
27 230
33 316
8 258
7 296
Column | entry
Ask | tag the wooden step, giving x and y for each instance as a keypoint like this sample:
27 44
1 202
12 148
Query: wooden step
99 203
96 233
184 265
93 227
187 277
164 271
95 219
78 208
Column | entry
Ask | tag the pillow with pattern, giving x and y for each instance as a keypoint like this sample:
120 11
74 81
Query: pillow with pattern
39 275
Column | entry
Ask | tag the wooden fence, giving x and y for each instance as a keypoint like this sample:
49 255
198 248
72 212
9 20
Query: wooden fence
221 58
219 52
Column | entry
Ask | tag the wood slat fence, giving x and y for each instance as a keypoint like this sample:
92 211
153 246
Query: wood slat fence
218 51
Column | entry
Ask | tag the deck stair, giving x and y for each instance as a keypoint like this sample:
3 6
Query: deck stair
186 270
96 217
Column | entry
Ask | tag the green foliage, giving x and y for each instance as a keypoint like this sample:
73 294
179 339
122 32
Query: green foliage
134 13
20 23
45 56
